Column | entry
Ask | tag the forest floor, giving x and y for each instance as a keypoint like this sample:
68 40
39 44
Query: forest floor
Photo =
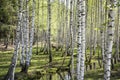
9 48
39 66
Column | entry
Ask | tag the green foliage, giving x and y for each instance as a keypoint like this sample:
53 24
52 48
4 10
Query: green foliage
7 11
6 30
96 29
118 3
7 18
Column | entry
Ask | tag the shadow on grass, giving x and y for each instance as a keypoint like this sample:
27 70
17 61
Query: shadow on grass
99 75
2 77
94 75
24 76
4 66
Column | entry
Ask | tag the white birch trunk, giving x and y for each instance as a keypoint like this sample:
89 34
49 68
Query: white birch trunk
83 25
32 30
27 36
23 41
117 34
11 71
67 30
71 33
102 31
49 31
58 25
79 44
110 33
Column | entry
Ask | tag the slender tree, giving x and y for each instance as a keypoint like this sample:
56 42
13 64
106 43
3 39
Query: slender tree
71 35
32 30
79 42
26 36
83 25
22 57
102 29
67 29
117 55
11 70
49 31
110 33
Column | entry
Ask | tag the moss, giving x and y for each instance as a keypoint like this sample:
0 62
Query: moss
40 66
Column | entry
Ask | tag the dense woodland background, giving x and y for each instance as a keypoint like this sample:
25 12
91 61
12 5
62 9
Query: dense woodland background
59 40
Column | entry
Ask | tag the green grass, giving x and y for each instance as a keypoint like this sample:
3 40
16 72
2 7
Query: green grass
39 62
39 66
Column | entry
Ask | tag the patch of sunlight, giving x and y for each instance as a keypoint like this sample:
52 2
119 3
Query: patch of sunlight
6 52
4 63
89 79
34 67
34 61
57 58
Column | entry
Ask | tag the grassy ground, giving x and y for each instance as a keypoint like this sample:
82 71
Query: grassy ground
39 64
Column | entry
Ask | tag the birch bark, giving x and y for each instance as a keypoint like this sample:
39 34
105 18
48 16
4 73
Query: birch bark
27 37
32 30
49 31
110 33
83 25
79 42
11 70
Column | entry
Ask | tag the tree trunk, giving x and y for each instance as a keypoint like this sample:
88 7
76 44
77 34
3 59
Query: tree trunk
22 56
11 70
49 31
83 25
32 30
27 37
79 44
110 33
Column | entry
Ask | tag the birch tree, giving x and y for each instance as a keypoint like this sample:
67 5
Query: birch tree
22 55
32 30
26 37
117 34
49 31
79 42
102 30
81 38
67 29
109 44
71 35
11 70
83 25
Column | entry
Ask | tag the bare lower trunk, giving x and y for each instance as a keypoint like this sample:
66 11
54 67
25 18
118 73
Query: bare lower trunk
49 31
79 51
110 33
10 73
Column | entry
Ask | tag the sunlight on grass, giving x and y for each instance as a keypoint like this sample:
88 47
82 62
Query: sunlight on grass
39 63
